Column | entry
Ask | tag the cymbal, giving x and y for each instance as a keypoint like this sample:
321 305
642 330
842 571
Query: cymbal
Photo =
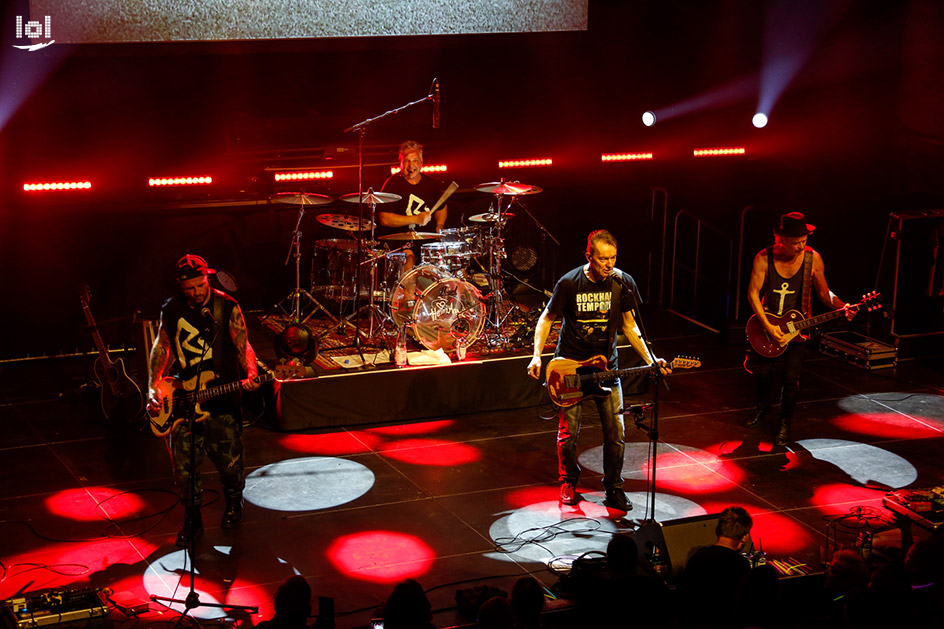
372 198
343 221
343 244
507 188
490 217
300 198
411 235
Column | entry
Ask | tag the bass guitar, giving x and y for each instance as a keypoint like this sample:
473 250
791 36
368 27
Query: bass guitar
569 381
182 398
792 323
121 398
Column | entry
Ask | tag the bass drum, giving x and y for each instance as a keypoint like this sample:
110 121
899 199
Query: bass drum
443 312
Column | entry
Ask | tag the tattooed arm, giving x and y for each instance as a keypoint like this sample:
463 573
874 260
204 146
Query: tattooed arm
160 354
244 351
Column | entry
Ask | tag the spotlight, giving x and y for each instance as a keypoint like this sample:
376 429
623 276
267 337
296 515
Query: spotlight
649 118
759 120
297 341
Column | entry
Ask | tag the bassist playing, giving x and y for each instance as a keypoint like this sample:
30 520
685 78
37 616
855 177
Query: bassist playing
783 278
203 330
595 301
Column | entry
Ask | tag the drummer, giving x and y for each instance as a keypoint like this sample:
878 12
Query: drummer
418 193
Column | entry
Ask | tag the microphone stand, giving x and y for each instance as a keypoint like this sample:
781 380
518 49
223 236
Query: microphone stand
361 129
192 601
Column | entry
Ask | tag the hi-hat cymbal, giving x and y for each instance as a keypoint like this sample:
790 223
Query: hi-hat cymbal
411 235
507 188
372 198
490 217
343 221
300 198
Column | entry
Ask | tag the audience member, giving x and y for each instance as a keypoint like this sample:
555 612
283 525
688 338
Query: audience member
711 587
407 607
527 603
496 613
292 605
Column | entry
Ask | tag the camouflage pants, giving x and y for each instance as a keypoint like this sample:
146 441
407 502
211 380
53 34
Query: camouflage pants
220 438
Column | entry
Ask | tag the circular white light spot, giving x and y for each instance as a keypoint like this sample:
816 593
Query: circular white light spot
307 484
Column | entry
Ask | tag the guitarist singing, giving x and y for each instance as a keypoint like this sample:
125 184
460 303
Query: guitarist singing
783 278
204 330
596 301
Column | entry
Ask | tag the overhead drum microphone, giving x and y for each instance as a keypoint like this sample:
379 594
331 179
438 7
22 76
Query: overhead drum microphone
435 103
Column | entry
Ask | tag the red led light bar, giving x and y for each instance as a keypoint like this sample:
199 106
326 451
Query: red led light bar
59 185
624 157
304 176
525 163
179 181
432 168
714 152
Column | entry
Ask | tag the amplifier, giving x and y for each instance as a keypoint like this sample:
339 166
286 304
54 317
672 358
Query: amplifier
39 609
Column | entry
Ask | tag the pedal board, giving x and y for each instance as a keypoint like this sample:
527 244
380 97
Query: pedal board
40 609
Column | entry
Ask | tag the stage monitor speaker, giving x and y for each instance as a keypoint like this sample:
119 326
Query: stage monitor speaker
677 539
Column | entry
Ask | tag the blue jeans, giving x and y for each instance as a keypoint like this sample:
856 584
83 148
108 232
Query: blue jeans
568 430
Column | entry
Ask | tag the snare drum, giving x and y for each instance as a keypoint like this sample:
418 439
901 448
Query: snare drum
452 256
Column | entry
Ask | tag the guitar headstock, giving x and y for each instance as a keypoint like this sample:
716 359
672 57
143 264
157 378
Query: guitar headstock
685 362
871 301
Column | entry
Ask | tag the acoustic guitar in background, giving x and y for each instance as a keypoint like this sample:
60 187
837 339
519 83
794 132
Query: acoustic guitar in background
121 398
792 323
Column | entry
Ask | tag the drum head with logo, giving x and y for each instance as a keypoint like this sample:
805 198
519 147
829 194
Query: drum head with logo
410 288
447 311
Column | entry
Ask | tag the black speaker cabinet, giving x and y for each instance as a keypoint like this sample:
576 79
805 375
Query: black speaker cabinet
918 291
677 539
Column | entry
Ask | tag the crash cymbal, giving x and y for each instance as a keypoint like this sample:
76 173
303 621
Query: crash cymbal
372 198
343 221
300 198
507 188
411 235
341 244
490 217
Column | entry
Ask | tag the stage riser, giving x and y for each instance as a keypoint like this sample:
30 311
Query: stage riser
411 393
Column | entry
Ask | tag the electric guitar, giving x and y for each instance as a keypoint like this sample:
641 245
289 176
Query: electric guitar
180 399
792 322
569 381
121 398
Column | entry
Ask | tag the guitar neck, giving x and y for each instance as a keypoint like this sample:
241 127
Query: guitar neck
230 387
96 336
600 376
818 319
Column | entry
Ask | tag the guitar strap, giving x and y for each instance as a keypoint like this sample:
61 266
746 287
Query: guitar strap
807 281
218 336
614 321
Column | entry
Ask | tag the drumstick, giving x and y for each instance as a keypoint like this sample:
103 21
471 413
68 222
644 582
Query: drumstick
445 195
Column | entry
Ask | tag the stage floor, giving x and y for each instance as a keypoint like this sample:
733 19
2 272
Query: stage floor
453 501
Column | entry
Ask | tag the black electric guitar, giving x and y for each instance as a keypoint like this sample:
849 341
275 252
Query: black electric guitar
569 381
121 398
181 398
792 323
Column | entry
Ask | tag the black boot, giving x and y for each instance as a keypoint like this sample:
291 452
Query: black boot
190 518
234 511
783 435
757 417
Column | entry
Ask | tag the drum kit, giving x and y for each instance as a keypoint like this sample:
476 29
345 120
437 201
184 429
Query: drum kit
452 298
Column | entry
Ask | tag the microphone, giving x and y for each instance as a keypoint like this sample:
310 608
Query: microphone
435 103
206 313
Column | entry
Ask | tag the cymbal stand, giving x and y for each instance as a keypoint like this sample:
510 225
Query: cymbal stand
495 315
294 298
